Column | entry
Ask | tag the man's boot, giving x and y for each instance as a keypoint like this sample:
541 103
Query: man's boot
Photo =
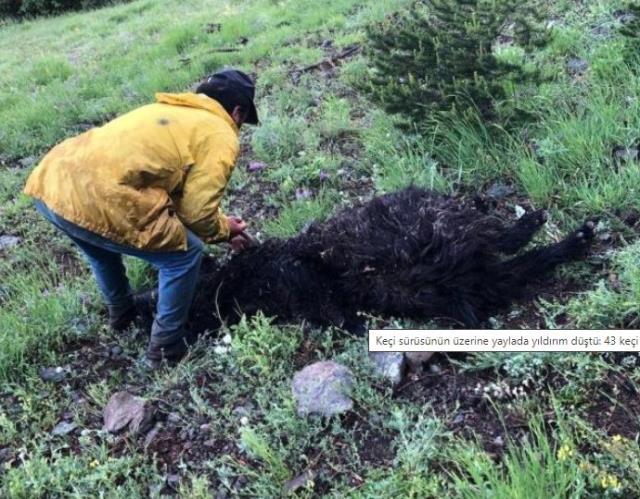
170 349
140 312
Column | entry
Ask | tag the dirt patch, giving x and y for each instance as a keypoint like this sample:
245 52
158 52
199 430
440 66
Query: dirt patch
458 399
616 407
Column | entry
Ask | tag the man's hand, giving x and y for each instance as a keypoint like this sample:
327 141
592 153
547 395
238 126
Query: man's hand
236 226
241 242
238 238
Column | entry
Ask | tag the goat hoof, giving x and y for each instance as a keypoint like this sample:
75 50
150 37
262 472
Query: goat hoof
542 216
588 229
535 218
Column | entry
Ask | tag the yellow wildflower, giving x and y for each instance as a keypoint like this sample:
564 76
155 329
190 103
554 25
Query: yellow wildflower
609 481
564 453
617 438
585 466
94 463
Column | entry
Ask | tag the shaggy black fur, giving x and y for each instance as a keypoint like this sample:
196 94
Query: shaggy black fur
413 253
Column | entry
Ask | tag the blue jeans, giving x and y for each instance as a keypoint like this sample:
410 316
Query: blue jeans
177 274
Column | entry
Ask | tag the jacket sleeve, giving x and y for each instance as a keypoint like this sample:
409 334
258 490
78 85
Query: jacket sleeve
199 205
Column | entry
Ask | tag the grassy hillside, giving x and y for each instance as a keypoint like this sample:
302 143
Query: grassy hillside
557 425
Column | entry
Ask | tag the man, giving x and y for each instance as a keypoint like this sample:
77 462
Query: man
149 184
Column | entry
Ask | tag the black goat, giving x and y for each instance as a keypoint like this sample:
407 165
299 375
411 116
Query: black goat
413 253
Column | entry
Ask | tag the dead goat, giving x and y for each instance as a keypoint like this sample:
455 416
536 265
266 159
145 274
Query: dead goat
413 253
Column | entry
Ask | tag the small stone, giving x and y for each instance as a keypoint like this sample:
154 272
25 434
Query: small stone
204 428
226 339
151 436
459 419
7 242
240 482
389 365
52 374
256 166
520 211
124 409
63 428
435 368
304 479
244 421
321 388
303 193
5 454
577 66
498 441
498 190
622 155
241 410
417 360
173 481
624 16
27 161
211 443
174 418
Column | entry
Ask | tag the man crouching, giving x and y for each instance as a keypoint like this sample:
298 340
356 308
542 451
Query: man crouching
149 184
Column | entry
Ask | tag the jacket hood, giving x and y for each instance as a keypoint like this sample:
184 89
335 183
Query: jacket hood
199 101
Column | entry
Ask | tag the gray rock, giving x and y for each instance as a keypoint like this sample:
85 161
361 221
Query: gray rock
27 161
459 419
173 481
303 193
322 388
623 154
242 410
256 166
498 190
577 66
124 409
52 374
174 418
435 368
151 436
63 428
624 16
5 454
8 242
302 480
389 365
417 360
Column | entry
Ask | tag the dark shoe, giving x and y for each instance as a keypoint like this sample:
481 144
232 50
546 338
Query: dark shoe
169 352
120 321
141 313
146 304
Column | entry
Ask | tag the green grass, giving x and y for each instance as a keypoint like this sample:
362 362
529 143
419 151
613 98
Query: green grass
536 467
325 147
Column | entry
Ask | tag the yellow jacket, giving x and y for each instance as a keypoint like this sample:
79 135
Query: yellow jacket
142 178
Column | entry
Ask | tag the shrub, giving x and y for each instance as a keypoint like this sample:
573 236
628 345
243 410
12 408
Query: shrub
630 29
30 8
441 56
